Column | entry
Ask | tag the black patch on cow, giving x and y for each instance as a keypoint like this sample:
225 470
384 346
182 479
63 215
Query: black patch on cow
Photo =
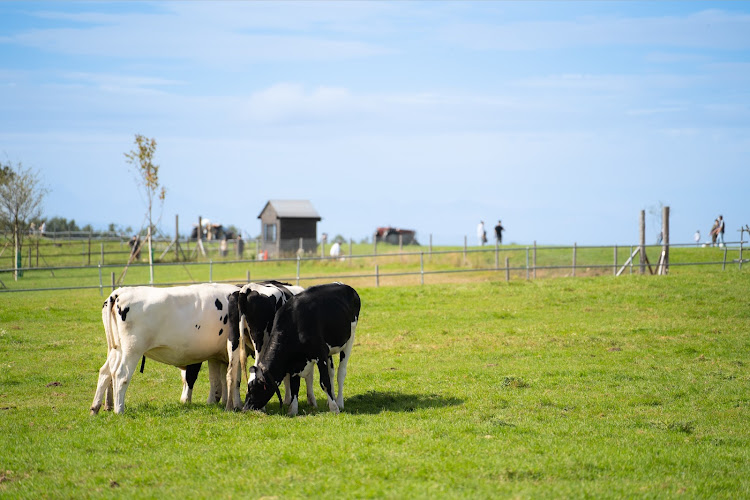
191 373
221 331
218 305
123 312
226 318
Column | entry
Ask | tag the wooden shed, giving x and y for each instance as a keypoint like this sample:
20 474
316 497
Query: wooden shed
287 224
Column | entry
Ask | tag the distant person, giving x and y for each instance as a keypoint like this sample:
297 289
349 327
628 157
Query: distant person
697 237
135 247
713 232
720 231
240 246
499 232
481 233
335 250
223 247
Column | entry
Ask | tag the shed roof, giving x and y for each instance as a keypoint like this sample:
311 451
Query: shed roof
292 209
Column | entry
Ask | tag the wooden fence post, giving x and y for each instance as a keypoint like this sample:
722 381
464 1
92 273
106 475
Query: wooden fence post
642 231
665 234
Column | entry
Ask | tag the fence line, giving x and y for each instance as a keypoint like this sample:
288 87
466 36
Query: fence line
529 255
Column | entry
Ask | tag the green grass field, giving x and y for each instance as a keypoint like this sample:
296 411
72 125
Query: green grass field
558 388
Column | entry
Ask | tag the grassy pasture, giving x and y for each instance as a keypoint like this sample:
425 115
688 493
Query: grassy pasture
585 387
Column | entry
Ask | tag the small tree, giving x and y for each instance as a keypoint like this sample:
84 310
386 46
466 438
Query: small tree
21 196
147 178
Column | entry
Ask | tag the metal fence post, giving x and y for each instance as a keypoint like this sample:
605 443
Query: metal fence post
527 263
298 260
614 268
377 276
507 269
210 271
534 259
101 285
248 276
421 268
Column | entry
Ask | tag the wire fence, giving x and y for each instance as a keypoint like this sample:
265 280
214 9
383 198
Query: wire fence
77 263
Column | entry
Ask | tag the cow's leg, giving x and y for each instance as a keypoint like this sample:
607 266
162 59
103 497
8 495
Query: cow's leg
225 396
287 390
294 389
325 383
341 375
103 385
122 375
215 382
310 389
233 377
189 376
109 404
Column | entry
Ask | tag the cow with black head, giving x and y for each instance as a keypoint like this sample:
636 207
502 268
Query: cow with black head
308 330
257 304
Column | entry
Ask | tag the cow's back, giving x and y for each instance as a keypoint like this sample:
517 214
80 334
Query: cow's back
178 325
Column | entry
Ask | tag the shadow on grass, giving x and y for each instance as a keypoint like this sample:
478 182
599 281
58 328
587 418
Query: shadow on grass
374 402
369 403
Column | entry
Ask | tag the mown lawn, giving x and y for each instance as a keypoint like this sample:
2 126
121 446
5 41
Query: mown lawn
572 387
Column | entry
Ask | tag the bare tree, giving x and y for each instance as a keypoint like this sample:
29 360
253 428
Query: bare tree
21 196
147 178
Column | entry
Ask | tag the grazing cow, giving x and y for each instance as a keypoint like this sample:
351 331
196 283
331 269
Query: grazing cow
307 330
257 304
180 326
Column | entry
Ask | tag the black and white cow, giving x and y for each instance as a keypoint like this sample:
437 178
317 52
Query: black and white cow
180 326
257 304
307 330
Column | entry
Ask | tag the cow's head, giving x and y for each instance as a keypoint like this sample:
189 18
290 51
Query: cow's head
260 389
259 311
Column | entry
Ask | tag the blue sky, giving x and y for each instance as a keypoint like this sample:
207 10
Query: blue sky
565 119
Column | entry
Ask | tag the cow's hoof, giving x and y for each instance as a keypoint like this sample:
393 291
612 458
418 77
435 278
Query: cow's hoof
333 407
93 411
293 407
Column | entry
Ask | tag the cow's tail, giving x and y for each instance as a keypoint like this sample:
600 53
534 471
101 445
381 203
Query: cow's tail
243 354
107 313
